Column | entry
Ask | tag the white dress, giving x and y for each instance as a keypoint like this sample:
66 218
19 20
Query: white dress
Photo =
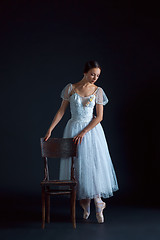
94 170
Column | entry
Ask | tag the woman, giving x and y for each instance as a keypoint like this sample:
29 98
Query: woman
94 170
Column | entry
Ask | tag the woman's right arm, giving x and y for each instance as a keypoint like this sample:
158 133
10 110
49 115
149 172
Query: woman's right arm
57 118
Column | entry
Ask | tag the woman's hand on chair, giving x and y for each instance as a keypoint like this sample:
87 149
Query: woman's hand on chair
48 134
78 139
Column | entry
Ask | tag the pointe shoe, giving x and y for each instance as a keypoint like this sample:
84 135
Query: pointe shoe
85 213
99 215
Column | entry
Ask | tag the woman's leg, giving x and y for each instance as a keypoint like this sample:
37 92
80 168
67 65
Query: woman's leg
100 205
85 204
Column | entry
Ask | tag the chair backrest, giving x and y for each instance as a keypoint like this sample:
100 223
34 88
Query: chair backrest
58 147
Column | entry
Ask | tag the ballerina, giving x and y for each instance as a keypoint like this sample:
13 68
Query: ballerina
94 169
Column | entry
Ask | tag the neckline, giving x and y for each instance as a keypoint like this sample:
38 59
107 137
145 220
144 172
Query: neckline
84 96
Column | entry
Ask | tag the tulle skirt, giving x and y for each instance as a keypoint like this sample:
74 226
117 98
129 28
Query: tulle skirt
94 170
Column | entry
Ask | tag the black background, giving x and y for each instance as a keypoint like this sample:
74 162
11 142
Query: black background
44 45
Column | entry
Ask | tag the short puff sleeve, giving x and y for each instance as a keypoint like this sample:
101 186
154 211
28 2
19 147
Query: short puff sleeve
101 97
65 94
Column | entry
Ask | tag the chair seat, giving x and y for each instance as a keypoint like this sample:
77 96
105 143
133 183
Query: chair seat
59 182
58 191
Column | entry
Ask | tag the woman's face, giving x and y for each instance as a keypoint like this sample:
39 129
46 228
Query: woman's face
92 75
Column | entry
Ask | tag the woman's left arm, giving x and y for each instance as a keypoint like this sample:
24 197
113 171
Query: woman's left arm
92 124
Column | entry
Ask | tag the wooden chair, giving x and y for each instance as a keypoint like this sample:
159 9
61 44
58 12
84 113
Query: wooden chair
58 148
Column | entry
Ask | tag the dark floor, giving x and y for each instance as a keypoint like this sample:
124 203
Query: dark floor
23 222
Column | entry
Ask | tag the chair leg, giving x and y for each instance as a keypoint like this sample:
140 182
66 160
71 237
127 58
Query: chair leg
43 207
48 208
73 207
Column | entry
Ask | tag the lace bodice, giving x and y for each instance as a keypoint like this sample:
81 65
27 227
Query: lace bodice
82 107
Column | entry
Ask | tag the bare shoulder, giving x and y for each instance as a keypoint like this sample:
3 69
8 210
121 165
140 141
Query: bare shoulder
96 87
74 85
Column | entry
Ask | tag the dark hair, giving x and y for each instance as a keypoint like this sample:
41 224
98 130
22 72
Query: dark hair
91 64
